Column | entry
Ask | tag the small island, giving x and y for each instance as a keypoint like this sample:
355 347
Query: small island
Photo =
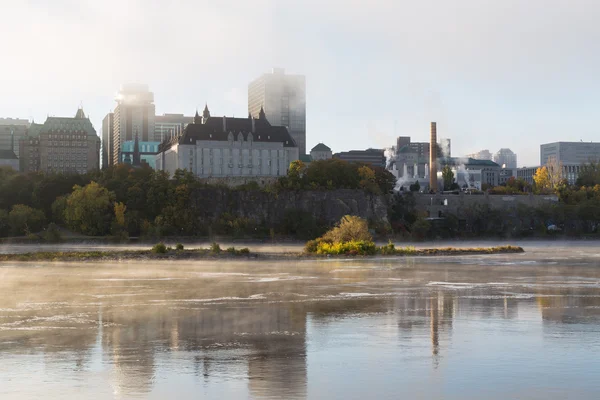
349 238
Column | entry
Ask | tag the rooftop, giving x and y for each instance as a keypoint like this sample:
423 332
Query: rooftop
320 147
220 129
7 155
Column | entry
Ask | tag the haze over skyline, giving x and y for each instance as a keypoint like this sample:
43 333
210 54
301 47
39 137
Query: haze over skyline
491 74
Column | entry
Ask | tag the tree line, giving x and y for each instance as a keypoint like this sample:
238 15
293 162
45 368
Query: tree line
123 201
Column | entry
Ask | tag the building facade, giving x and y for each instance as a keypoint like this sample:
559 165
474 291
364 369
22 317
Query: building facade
134 114
571 155
136 153
12 130
222 147
506 158
374 157
320 152
168 125
8 158
108 134
61 145
527 174
472 173
283 98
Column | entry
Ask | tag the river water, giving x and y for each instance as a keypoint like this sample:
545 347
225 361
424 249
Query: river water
521 326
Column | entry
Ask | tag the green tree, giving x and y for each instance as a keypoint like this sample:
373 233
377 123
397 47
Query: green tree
90 209
23 220
448 177
4 225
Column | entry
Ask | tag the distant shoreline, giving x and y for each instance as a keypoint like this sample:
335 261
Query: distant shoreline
205 254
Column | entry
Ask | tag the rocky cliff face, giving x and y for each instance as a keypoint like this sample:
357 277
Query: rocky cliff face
326 206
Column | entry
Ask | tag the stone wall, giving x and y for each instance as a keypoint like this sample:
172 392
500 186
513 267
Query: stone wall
259 206
458 204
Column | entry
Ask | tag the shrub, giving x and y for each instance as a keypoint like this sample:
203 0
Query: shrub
347 248
52 234
179 246
230 250
420 229
350 228
245 250
23 219
159 248
388 249
311 246
215 248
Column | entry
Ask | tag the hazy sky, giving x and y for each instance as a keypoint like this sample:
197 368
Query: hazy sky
501 73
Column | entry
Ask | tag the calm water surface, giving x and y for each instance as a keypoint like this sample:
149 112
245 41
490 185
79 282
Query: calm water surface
479 327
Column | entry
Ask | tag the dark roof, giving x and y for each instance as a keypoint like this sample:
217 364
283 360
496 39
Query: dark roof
7 155
467 161
320 147
212 129
305 158
80 114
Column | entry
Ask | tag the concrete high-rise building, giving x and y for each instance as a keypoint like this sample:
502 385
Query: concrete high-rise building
283 98
12 130
108 133
571 155
167 125
506 158
134 114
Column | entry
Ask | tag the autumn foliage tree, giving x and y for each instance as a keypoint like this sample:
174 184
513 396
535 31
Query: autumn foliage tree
90 209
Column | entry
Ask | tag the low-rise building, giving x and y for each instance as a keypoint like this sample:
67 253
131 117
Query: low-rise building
472 173
221 147
527 173
320 152
61 145
374 157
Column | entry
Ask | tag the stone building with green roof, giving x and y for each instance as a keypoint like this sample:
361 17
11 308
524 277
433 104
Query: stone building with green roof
61 145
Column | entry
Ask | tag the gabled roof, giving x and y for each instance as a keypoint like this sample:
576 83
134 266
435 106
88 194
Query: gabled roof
320 147
8 155
212 129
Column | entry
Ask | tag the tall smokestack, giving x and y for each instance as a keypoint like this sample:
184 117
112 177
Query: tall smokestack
433 185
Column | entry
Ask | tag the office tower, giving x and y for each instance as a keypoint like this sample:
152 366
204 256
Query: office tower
107 139
134 114
506 158
167 125
283 98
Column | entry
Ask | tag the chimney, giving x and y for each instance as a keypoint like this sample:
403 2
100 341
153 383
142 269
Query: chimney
433 184
224 123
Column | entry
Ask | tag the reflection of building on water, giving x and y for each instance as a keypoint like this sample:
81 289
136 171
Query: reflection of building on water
569 305
434 313
275 336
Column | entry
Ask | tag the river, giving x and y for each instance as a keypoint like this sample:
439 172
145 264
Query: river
521 326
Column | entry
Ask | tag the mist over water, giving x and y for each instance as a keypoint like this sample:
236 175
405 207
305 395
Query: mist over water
494 327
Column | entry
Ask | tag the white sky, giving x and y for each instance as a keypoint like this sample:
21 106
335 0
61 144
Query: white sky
501 73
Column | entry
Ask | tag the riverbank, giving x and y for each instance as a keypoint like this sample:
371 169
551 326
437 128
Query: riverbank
203 254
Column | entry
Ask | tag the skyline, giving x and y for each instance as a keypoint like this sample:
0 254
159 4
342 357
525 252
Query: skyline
500 75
